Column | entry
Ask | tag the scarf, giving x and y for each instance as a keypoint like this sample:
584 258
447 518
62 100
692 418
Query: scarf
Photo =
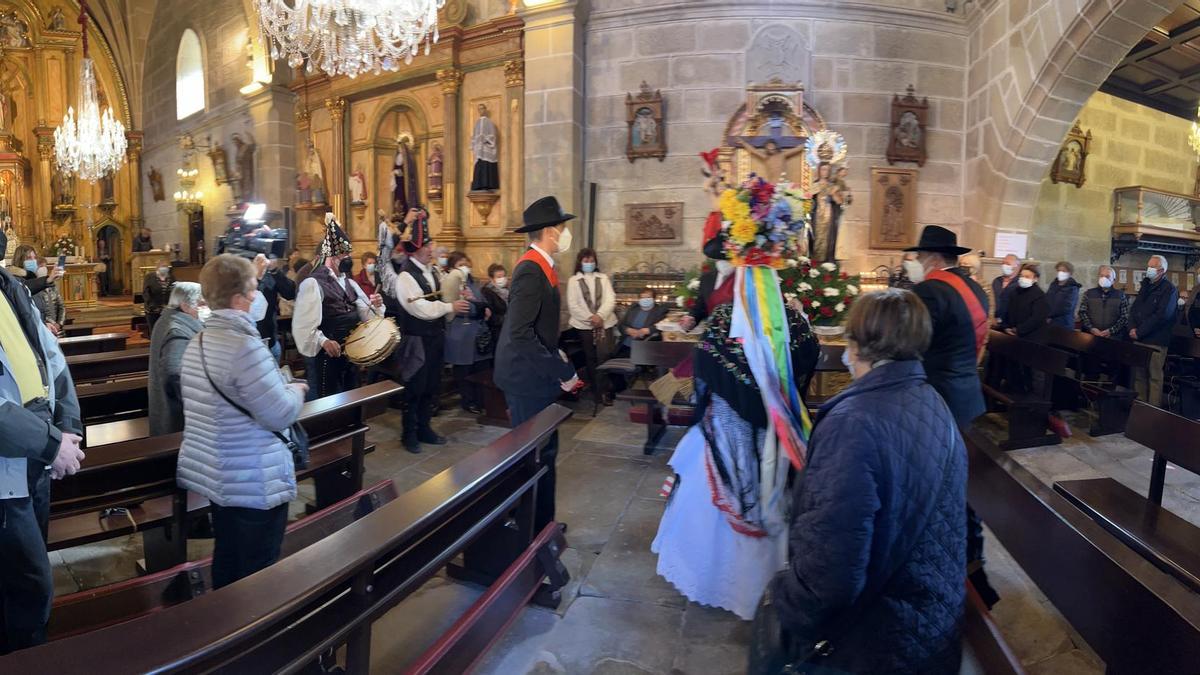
501 292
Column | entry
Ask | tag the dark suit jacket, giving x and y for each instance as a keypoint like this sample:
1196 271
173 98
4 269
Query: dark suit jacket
527 360
656 315
274 285
700 310
950 362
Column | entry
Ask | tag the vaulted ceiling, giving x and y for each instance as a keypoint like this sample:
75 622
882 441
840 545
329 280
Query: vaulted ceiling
126 25
1163 70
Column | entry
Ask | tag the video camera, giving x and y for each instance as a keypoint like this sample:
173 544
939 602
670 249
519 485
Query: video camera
249 236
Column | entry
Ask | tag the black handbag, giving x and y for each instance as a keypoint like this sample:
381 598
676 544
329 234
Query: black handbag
296 440
483 341
773 651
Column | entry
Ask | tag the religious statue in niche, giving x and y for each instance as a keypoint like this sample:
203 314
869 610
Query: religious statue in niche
825 154
243 155
654 223
220 162
13 241
1068 166
156 185
106 190
907 142
434 169
483 147
356 185
14 31
314 175
62 188
57 20
404 176
893 207
644 115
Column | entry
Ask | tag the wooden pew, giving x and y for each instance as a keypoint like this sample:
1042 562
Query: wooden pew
92 344
1171 543
107 366
138 476
107 605
1137 618
112 401
1027 411
78 329
1113 399
982 637
329 594
661 356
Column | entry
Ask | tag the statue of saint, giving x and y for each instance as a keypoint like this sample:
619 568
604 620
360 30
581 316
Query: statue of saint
434 167
243 154
357 185
61 189
13 242
404 178
57 20
8 110
770 162
483 146
315 174
829 198
156 185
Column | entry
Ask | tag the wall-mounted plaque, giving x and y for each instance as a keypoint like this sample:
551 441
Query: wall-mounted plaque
654 223
893 207
907 141
1072 156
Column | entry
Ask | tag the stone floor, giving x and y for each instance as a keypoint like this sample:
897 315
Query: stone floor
618 616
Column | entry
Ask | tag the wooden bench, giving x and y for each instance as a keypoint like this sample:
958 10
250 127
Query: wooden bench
107 366
1027 411
1136 617
1114 398
78 329
1170 542
92 344
138 476
113 401
328 594
107 605
659 356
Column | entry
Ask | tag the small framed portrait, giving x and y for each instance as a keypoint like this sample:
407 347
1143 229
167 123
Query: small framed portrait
644 114
906 142
1072 158
1123 276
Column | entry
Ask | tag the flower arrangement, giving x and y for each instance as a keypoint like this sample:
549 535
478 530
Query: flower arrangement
763 222
823 290
687 291
64 245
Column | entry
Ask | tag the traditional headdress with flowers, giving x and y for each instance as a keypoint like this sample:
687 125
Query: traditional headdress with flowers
763 223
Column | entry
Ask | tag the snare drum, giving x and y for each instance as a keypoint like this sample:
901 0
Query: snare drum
372 342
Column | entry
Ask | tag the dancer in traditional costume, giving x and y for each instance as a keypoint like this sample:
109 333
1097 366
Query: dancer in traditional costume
723 535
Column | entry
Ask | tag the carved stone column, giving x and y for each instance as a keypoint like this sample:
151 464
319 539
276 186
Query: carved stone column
42 215
514 95
451 235
337 164
133 154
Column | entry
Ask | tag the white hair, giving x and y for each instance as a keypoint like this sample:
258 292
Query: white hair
1100 270
185 292
1162 260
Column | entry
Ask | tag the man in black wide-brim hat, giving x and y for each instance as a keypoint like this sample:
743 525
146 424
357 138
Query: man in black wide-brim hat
530 369
958 309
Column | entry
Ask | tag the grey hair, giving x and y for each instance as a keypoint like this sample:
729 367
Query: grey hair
1161 259
185 292
1100 270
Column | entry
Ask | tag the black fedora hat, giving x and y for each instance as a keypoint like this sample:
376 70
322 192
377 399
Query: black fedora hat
543 213
937 239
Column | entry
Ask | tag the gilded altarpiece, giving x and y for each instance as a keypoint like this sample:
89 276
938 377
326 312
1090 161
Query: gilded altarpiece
407 134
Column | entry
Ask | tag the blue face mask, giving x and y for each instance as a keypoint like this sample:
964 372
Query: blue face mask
588 267
31 266
646 303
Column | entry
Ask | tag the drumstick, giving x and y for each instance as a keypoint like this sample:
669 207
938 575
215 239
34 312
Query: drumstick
432 295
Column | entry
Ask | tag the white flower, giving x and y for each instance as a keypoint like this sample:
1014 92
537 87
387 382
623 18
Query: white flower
790 297
816 304
792 262
804 287
679 301
804 260
828 266
830 291
839 307
813 273
852 289
694 284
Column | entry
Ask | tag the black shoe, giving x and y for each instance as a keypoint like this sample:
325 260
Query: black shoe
411 445
430 437
986 593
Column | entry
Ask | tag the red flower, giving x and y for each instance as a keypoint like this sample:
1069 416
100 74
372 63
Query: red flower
826 278
756 256
826 312
845 276
689 303
807 302
846 300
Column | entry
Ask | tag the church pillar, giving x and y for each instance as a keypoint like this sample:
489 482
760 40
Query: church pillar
337 165
274 114
134 156
451 234
554 88
306 238
41 221
514 192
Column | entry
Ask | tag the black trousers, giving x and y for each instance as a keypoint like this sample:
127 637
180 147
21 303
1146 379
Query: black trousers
522 408
334 375
423 388
469 391
151 319
26 584
245 541
591 359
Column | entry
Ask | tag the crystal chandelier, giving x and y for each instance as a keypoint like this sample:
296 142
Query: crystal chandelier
348 37
92 145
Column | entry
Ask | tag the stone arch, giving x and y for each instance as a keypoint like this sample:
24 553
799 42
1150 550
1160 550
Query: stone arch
117 238
1030 74
398 114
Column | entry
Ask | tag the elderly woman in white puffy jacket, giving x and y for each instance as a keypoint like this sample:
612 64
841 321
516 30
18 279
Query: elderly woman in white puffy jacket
232 457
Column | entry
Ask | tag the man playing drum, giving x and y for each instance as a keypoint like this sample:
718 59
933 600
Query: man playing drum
329 305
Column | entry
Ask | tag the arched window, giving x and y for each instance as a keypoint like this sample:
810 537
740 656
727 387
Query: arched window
189 76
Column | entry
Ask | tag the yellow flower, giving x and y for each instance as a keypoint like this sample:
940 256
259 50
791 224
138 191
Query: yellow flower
743 231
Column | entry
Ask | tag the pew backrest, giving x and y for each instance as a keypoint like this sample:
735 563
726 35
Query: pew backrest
658 353
1121 352
109 365
1173 438
92 344
1028 353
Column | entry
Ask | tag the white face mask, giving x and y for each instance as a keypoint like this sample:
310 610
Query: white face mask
1063 276
914 270
1006 270
370 268
258 307
1025 282
443 261
646 303
564 241
500 282
202 313
1151 273
162 271
466 270
1105 282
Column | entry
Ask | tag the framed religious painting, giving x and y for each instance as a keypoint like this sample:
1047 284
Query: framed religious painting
653 224
893 207
906 142
644 114
1069 165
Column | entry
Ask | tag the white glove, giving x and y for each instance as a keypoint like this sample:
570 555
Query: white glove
563 355
570 384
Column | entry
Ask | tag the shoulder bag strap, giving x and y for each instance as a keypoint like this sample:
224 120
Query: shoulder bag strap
204 366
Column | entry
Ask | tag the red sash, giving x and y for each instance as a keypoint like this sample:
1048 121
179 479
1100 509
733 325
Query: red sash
541 261
978 316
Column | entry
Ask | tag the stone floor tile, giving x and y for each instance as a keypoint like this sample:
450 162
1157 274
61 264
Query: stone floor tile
1074 662
417 622
579 565
625 569
714 642
593 492
103 562
64 583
